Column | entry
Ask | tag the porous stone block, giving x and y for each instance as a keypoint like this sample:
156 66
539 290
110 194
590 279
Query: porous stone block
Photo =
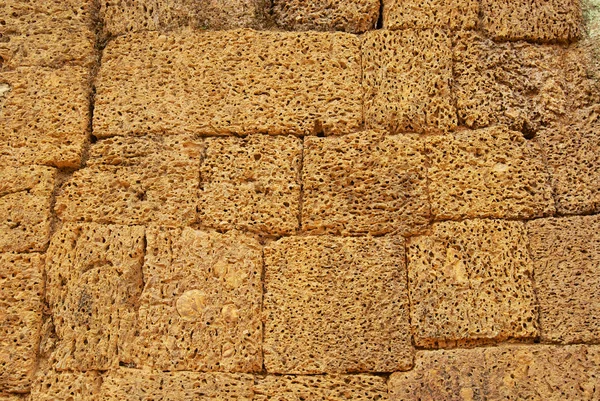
329 387
532 20
25 203
581 69
516 84
21 291
566 253
200 308
13 397
51 33
52 385
251 183
233 82
424 14
135 180
572 150
93 284
492 172
365 183
45 116
339 15
470 283
336 305
407 78
536 372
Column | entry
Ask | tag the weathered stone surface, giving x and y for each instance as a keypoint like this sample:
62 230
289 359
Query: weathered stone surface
566 253
94 281
329 387
251 183
47 33
363 183
406 81
13 397
470 282
234 82
45 116
339 15
424 14
492 172
336 305
73 386
200 308
21 289
501 373
25 202
129 180
533 20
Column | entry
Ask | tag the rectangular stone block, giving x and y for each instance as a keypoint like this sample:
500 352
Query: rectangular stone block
407 77
566 253
234 82
365 183
129 180
336 305
200 308
21 291
470 283
536 372
51 385
45 116
533 20
25 203
251 183
93 286
426 14
354 16
491 172
581 69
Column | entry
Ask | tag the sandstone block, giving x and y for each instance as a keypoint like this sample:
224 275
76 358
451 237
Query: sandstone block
21 291
406 81
130 180
234 82
45 116
200 308
73 386
336 305
501 373
581 69
25 203
94 281
566 253
533 20
470 282
341 15
492 172
425 14
363 183
251 183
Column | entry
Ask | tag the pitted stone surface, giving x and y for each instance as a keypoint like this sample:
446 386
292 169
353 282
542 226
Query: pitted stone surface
52 385
424 14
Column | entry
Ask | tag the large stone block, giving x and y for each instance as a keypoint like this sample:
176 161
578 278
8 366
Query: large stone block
52 385
424 14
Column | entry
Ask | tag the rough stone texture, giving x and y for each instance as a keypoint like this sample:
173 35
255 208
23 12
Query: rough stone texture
336 305
492 172
45 116
581 69
517 84
25 202
66 386
47 33
407 78
131 180
501 373
533 20
365 183
425 14
330 388
566 253
234 82
13 397
338 15
470 282
94 281
200 308
572 153
251 183
21 288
